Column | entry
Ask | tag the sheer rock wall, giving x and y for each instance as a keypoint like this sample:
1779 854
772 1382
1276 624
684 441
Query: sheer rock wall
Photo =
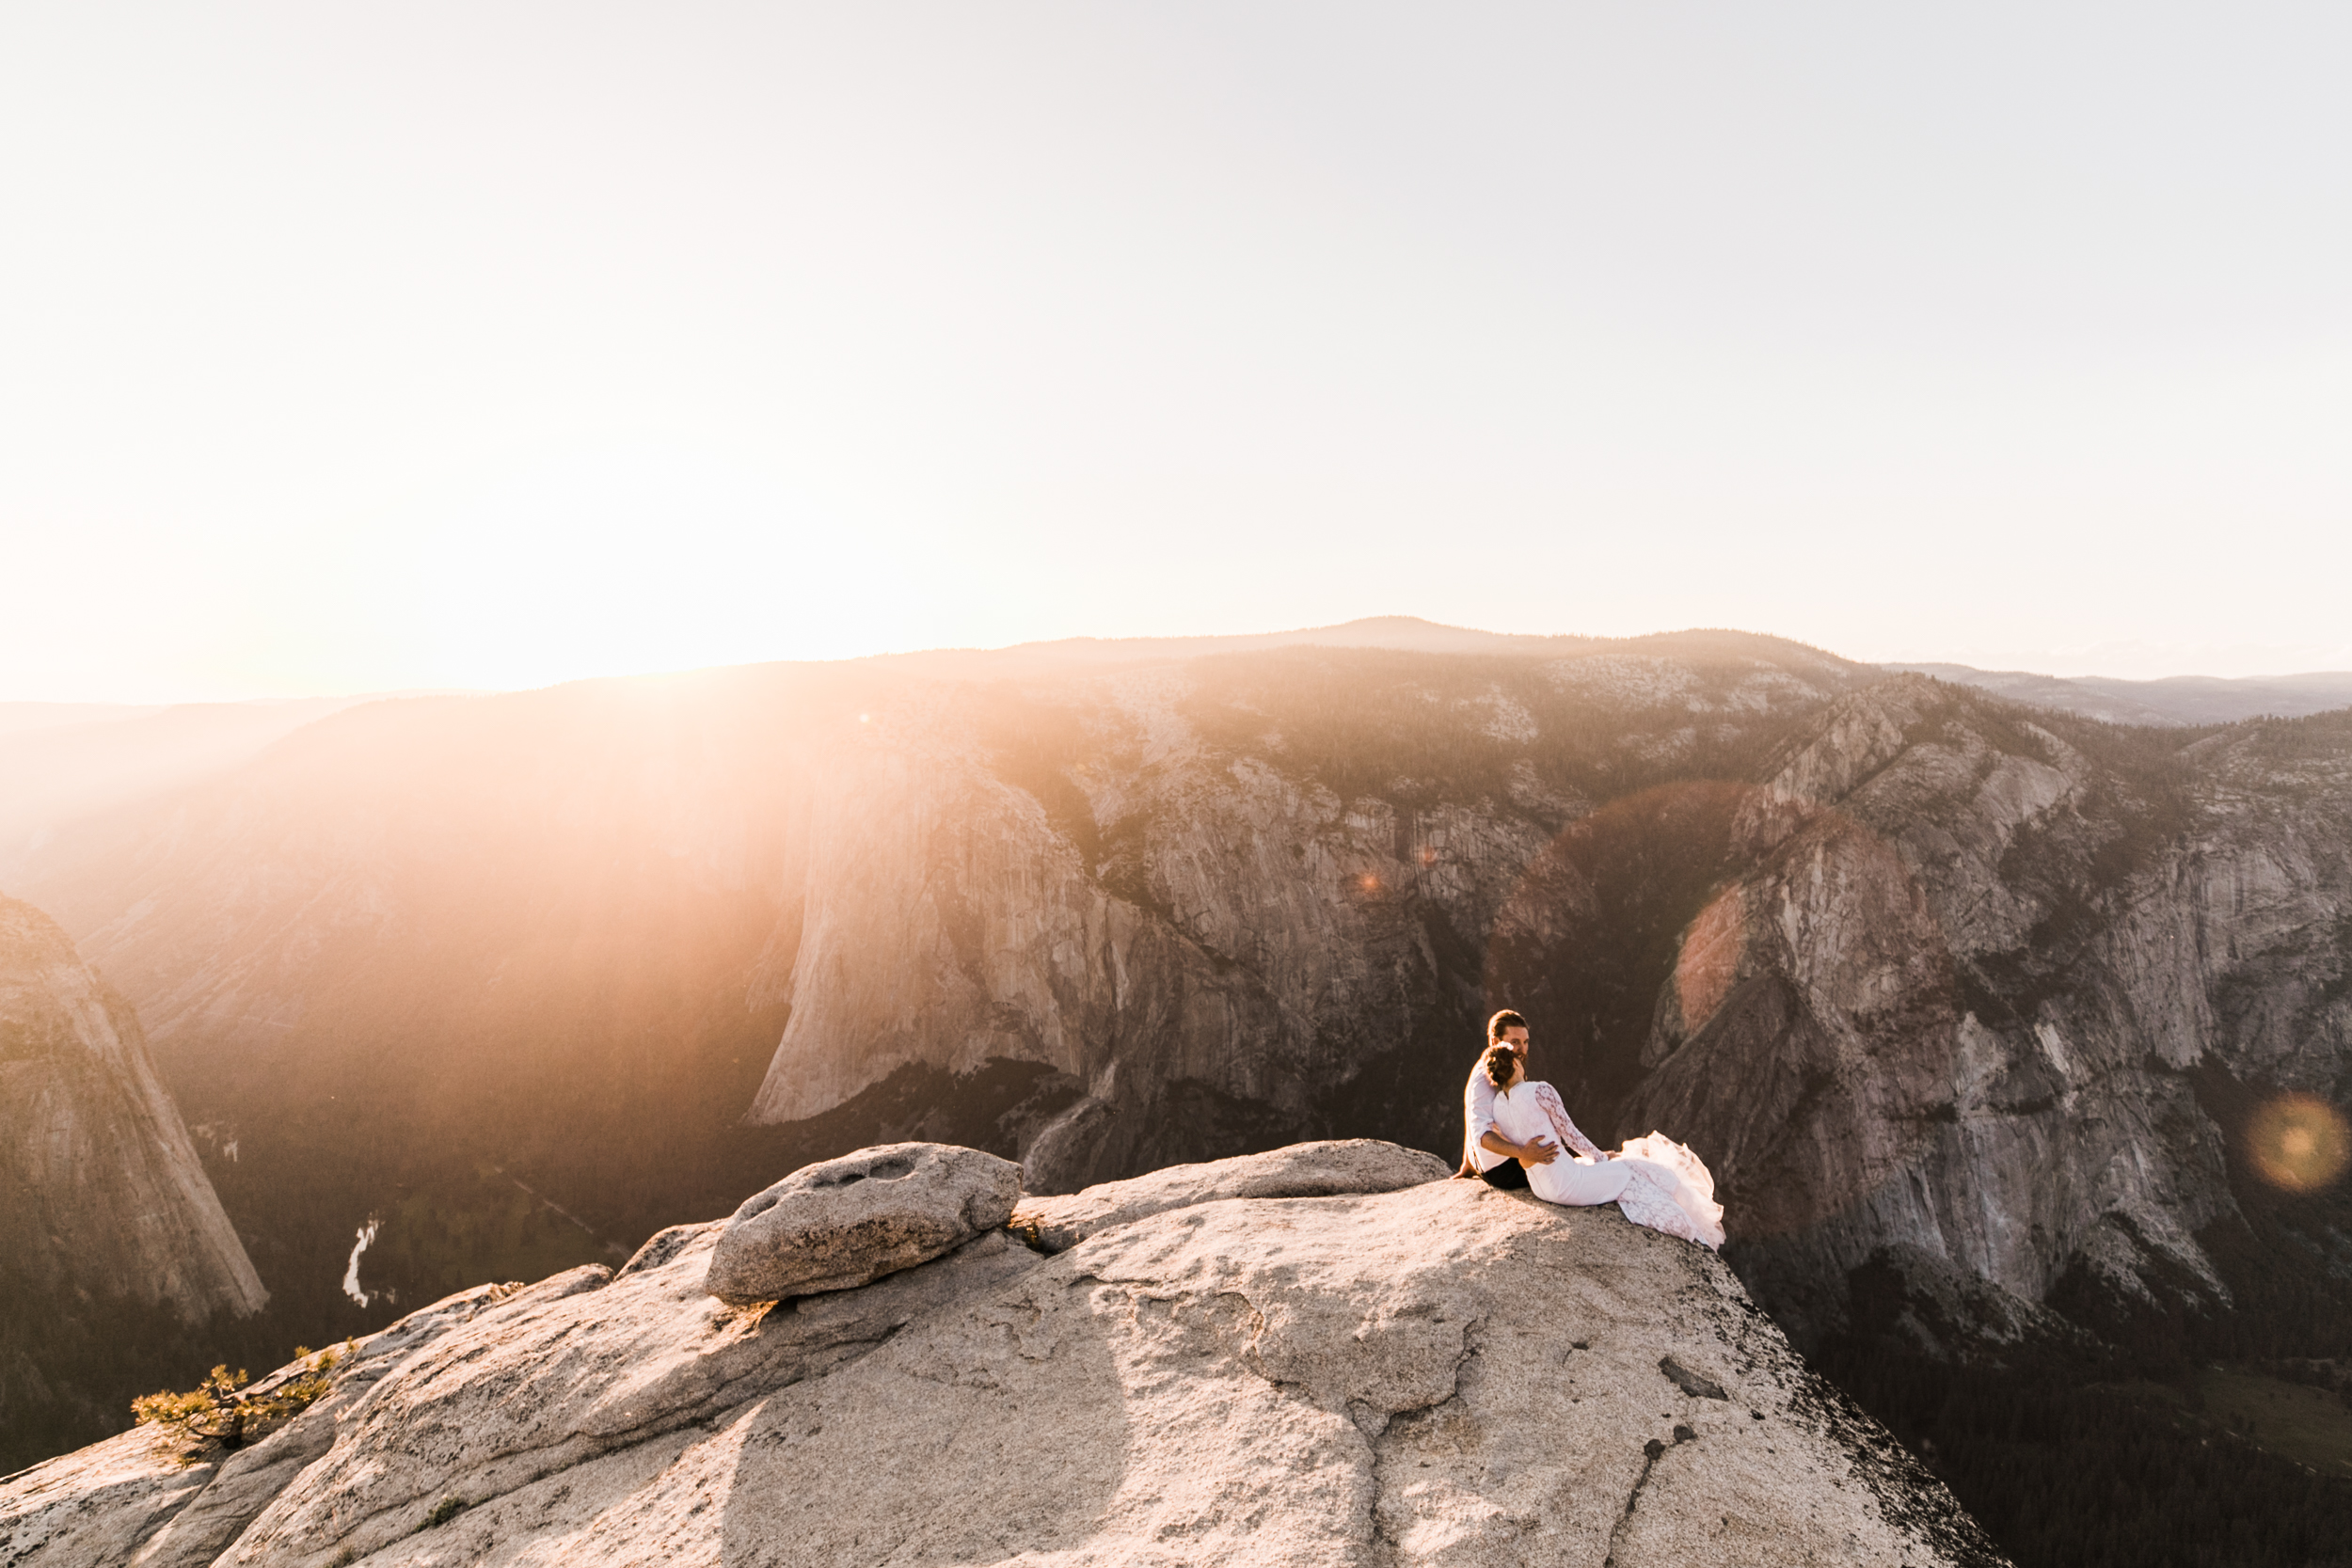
1956 1006
101 1189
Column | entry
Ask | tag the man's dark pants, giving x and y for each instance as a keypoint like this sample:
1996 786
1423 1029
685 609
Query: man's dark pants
1510 1176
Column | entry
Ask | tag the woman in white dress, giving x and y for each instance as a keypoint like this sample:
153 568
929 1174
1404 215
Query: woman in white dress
1654 1180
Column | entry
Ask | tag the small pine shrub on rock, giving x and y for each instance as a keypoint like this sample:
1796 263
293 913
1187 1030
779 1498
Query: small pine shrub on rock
221 1409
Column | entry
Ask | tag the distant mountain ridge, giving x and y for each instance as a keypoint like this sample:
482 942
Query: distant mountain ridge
2175 700
1398 633
60 762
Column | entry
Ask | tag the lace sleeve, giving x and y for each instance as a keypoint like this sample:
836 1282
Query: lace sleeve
1549 1098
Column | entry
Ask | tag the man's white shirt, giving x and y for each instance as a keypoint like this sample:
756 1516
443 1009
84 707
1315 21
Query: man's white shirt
1478 1119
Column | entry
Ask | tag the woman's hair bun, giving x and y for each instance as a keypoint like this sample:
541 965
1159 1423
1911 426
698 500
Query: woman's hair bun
1501 1061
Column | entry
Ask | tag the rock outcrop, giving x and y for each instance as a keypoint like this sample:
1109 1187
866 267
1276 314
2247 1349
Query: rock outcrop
847 1222
1440 1373
100 1191
1301 1170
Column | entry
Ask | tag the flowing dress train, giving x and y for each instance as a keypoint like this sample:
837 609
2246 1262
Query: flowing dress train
1655 1180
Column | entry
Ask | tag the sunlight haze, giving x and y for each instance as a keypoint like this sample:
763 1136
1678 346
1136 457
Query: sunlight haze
475 346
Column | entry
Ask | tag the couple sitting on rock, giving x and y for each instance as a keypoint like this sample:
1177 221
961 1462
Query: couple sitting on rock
1516 1132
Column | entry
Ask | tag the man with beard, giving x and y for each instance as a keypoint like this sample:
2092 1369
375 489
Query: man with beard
1486 1153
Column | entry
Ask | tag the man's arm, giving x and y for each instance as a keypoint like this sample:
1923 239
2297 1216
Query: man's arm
1478 1118
1478 1109
1536 1153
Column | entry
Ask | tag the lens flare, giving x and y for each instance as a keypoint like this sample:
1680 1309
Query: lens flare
1711 958
2298 1143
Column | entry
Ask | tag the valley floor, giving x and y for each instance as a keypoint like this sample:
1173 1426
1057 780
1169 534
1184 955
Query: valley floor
2306 1426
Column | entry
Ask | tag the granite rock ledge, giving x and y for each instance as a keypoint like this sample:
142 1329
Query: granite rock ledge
843 1223
1440 1373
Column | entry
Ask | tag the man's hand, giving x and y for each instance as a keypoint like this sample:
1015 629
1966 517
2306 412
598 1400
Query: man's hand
1537 1152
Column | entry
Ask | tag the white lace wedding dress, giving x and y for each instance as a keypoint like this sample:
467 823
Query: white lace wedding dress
1655 1180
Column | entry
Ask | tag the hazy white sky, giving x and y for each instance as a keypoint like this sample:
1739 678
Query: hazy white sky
347 347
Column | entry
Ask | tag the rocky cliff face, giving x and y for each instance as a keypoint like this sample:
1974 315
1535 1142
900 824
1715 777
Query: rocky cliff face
1439 1375
102 1199
1937 985
1966 1000
1941 990
102 1188
1103 918
1208 898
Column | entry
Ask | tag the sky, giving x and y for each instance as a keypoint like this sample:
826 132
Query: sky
379 347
